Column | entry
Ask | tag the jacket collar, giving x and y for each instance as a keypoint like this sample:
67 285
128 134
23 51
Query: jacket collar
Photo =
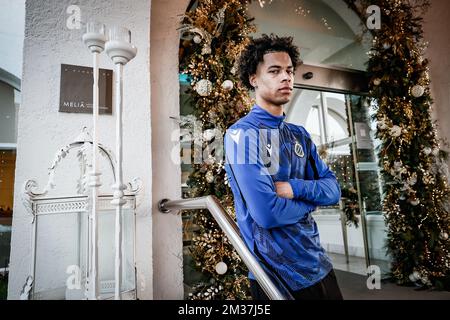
266 118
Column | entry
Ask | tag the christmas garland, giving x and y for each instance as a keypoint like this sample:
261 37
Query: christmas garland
213 35
416 190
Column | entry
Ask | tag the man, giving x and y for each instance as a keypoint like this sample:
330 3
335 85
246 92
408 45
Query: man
278 178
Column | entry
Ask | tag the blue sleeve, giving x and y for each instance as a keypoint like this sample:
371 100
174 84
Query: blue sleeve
256 185
325 190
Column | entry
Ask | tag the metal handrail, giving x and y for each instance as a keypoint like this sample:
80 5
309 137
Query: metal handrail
230 228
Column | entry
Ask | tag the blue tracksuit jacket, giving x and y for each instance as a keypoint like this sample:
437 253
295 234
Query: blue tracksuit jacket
260 149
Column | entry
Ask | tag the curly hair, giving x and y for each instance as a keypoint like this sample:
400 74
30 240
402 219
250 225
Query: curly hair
254 53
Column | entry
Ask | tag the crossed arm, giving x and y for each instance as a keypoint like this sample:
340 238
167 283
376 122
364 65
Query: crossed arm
281 203
254 183
323 191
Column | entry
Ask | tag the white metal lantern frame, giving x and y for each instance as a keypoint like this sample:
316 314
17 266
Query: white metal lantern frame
39 203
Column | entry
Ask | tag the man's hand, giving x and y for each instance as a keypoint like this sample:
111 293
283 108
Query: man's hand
284 190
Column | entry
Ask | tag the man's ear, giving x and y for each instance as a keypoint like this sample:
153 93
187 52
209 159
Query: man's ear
252 80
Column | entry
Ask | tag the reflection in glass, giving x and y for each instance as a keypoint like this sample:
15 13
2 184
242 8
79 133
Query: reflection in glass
367 162
327 31
331 119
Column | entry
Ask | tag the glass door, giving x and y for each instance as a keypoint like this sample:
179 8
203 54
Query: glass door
340 126
368 179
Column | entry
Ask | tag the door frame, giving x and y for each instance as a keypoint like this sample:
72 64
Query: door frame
331 79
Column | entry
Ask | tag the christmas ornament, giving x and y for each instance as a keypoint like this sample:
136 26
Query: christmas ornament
209 177
221 267
395 131
206 49
415 276
219 18
425 280
197 39
427 150
210 160
200 33
227 85
209 134
443 236
413 179
417 91
203 87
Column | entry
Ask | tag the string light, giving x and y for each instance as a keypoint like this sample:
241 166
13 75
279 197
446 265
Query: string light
302 11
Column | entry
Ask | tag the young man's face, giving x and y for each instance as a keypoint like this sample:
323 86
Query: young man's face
274 79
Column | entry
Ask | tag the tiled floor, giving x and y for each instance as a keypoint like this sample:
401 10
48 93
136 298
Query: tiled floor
357 264
352 279
354 287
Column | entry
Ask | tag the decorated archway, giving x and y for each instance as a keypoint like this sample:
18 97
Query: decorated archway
415 186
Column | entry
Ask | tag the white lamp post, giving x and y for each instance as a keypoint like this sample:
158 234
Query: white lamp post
94 39
121 51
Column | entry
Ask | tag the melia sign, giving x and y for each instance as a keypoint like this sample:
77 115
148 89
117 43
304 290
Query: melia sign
76 89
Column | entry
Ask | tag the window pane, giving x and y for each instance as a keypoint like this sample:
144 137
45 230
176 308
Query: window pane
9 99
312 125
7 169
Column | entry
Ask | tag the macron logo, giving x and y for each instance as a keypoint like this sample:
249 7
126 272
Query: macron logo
269 150
235 134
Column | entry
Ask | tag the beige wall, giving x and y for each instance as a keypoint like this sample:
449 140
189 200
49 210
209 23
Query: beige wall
437 33
167 228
